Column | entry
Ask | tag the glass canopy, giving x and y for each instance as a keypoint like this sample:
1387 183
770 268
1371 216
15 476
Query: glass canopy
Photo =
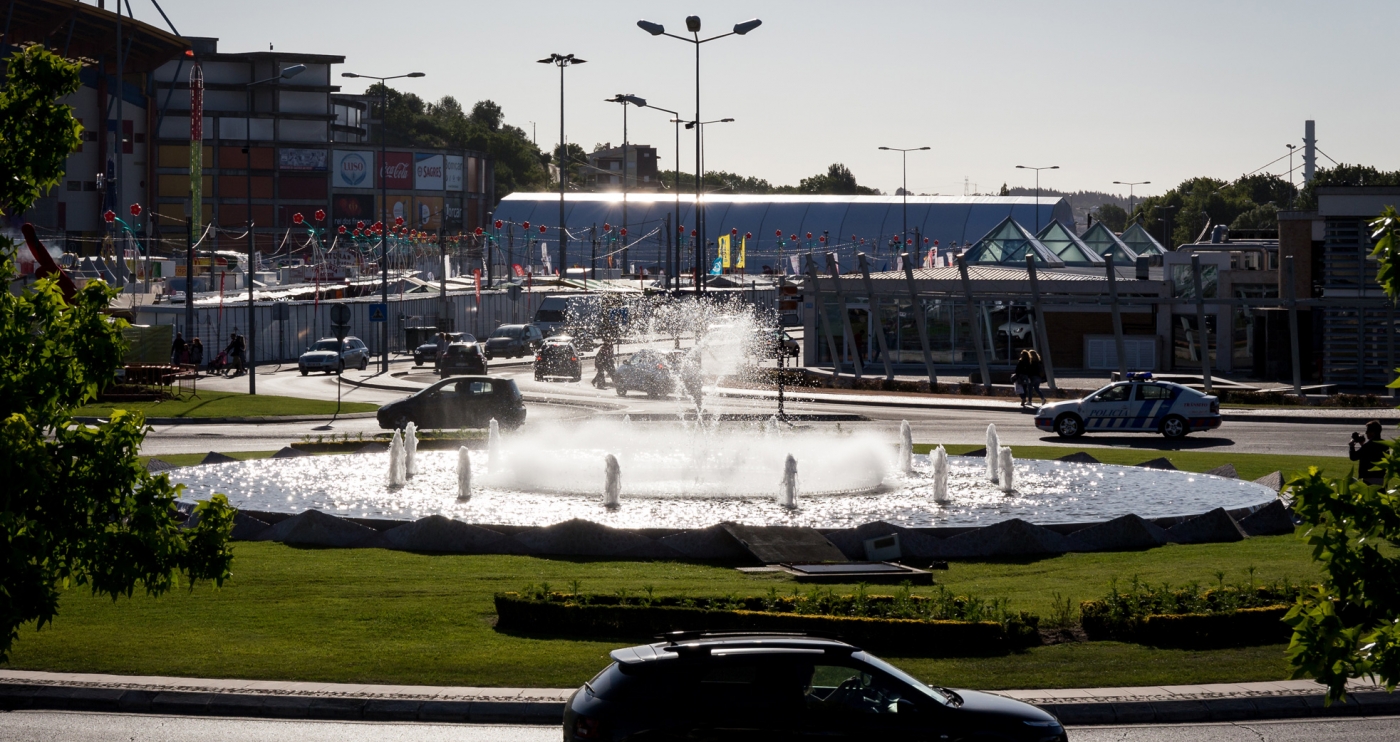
1103 241
1141 242
1065 243
1008 244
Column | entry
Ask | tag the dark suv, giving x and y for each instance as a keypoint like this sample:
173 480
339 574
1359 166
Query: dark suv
462 358
458 402
783 687
513 341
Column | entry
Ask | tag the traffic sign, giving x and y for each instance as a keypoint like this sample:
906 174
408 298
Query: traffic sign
340 315
379 313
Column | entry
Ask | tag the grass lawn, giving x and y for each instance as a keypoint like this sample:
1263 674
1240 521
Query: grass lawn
1249 465
227 404
374 616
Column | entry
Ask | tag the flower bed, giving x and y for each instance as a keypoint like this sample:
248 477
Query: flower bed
1192 616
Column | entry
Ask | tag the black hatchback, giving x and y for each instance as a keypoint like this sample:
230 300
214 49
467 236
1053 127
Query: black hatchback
458 402
463 358
783 687
558 357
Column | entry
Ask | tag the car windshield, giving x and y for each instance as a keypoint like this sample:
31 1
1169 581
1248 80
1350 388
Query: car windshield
326 345
507 332
904 677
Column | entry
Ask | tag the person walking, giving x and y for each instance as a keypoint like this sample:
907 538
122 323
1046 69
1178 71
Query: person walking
1367 452
178 350
235 352
1037 377
442 343
196 353
603 364
1021 377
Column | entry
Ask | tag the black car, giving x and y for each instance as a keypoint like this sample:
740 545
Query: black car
463 359
428 351
783 687
513 341
558 357
458 402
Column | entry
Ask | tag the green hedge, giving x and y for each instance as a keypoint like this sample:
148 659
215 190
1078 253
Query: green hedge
906 637
1237 628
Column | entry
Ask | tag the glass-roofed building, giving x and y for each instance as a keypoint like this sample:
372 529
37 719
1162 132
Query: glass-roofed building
1062 241
1140 241
1008 244
1103 241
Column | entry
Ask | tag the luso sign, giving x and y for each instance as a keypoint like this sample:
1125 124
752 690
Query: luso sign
352 169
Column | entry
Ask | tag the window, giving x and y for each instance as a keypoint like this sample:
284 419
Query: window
1154 392
840 690
75 185
1184 282
1116 393
480 387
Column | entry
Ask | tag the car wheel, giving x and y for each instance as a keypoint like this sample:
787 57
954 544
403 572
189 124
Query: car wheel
418 361
1069 425
577 378
621 390
364 363
1175 427
304 372
539 376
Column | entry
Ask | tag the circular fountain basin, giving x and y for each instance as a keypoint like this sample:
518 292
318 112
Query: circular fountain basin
1047 492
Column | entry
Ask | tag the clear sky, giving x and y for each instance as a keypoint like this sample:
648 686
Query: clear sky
1108 91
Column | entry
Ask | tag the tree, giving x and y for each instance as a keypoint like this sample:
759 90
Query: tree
78 508
838 180
1004 190
577 160
1113 216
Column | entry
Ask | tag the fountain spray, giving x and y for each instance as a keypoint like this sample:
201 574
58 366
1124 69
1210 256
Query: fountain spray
787 494
410 449
493 447
906 447
464 474
612 488
993 452
396 462
1007 465
940 474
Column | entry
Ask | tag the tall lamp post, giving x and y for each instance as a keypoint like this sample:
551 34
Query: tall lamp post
1130 192
1167 224
383 206
699 126
248 352
692 25
1037 189
625 100
904 156
561 61
675 119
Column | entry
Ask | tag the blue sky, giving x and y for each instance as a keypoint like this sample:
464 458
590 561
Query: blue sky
1106 90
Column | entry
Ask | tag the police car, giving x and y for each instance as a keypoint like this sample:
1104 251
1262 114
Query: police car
1138 405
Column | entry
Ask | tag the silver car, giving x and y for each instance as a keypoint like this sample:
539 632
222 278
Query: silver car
330 356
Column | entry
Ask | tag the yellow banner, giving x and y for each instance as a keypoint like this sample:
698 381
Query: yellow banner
743 250
724 251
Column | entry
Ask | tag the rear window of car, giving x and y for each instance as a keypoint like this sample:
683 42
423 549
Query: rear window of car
1155 391
507 332
549 315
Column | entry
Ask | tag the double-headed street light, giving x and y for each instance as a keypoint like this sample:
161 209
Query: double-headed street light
383 207
904 155
692 25
675 119
1130 192
561 61
625 99
248 353
1037 189
700 127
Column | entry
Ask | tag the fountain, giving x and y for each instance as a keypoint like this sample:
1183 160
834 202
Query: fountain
787 494
993 452
410 449
493 446
906 447
1006 468
464 474
940 474
396 462
612 486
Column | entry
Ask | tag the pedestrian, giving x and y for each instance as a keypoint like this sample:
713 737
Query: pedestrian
442 343
196 353
235 352
1037 376
1367 452
603 364
1021 377
177 350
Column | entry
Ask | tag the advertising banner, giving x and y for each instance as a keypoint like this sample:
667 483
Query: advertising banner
427 172
398 170
351 169
350 208
427 212
400 206
293 158
453 176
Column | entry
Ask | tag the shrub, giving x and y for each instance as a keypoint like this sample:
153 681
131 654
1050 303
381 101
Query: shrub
1189 615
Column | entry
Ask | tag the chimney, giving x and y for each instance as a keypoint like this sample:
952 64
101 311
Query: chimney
1309 151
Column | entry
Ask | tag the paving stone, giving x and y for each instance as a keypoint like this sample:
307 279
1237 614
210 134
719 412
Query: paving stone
1215 526
1079 457
712 543
1013 537
155 466
437 533
1272 480
214 457
578 537
1271 520
1162 463
1124 533
287 452
315 528
912 544
1225 470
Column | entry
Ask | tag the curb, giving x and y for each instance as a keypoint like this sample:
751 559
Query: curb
1221 709
237 420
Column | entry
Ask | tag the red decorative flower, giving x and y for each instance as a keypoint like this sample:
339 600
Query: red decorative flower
398 220
733 231
360 225
499 224
357 232
477 233
340 229
543 228
109 216
136 209
822 239
809 235
779 233
748 235
297 218
607 227
526 225
622 231
935 243
925 240
692 233
909 241
320 215
793 237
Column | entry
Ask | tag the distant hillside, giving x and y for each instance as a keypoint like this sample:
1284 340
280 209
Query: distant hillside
1083 202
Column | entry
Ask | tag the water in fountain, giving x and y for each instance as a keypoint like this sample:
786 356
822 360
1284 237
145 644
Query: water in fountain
410 449
993 452
493 446
787 493
396 462
464 474
906 447
940 474
1006 468
626 419
612 483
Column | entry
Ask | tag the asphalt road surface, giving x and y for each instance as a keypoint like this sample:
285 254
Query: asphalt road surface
68 726
575 401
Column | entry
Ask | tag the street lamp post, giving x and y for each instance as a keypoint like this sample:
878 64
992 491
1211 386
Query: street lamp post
561 61
1130 192
700 126
1167 224
1037 189
1290 173
675 119
904 157
692 25
625 100
248 353
383 207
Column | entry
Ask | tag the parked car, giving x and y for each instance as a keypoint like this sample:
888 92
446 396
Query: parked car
558 357
1138 405
783 687
463 359
775 341
428 351
645 371
333 356
513 341
458 402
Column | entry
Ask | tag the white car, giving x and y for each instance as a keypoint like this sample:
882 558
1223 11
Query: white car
1138 405
331 356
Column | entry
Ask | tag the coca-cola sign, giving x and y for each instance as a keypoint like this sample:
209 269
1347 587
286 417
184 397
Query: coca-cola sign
427 172
398 170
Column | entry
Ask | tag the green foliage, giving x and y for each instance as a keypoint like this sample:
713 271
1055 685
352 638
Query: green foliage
1122 612
1196 202
837 180
1113 216
1264 216
1349 626
577 161
36 132
1387 250
1344 175
717 181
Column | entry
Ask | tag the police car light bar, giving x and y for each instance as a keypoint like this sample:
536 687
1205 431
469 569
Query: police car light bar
1139 376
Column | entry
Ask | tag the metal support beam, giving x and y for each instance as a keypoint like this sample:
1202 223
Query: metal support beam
920 321
849 340
1201 320
875 315
975 320
822 319
1043 337
1291 294
1117 318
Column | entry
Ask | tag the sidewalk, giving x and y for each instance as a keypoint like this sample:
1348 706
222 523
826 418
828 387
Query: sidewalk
21 689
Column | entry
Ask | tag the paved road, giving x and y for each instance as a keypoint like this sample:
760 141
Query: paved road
67 726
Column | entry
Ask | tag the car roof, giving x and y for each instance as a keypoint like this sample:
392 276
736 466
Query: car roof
698 644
